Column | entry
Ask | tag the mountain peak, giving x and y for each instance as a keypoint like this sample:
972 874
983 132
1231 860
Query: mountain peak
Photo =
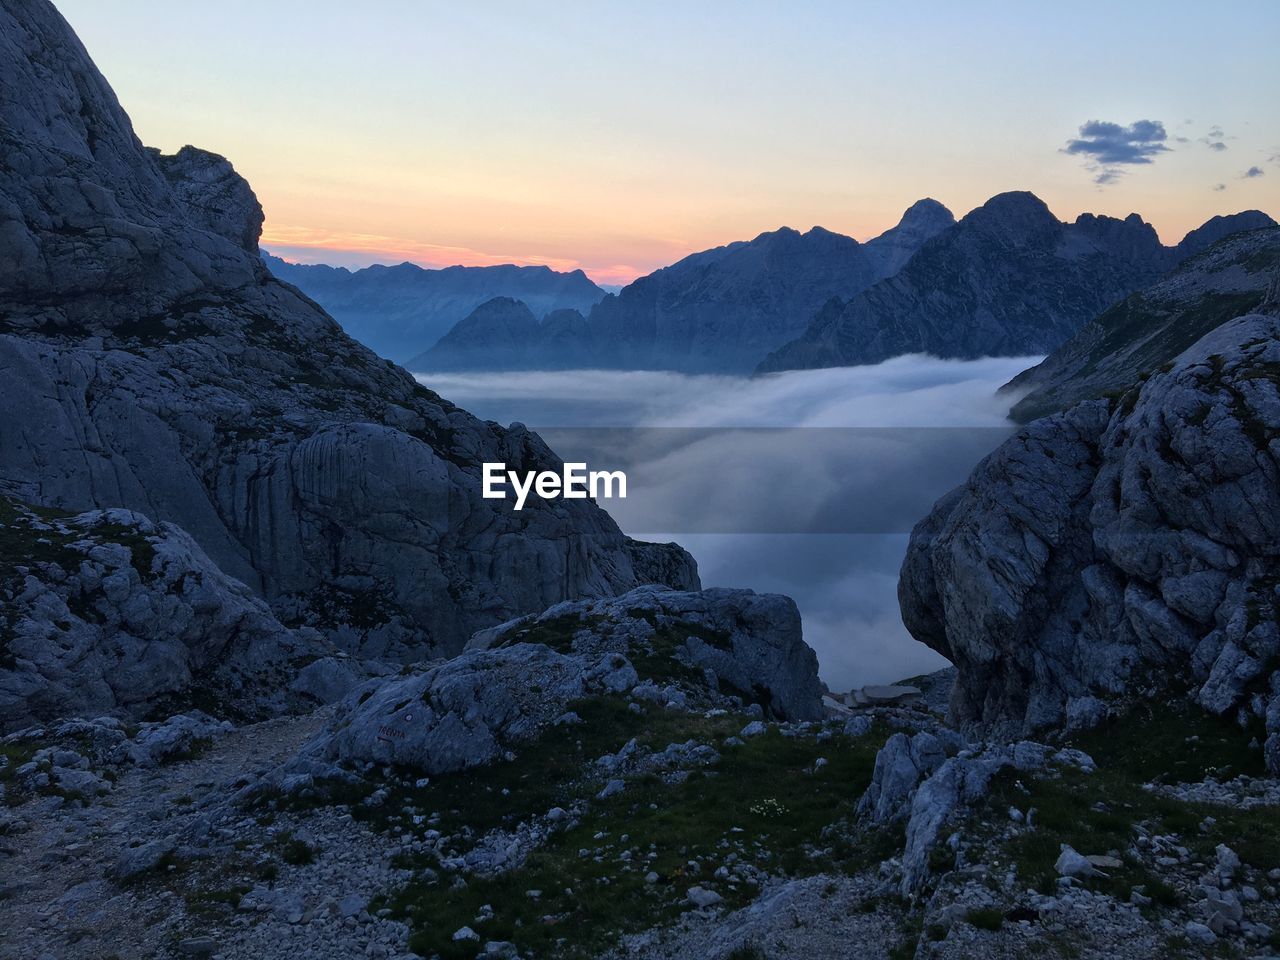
927 212
1215 228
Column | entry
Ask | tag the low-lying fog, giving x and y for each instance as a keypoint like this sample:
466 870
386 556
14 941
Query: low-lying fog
870 449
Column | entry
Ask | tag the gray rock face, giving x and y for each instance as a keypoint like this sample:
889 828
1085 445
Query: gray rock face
749 643
1150 328
160 367
1117 545
216 197
462 713
515 680
106 611
924 780
900 766
1008 280
400 311
717 310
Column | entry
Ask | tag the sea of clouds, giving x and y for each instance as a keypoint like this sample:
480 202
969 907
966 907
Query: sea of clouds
805 483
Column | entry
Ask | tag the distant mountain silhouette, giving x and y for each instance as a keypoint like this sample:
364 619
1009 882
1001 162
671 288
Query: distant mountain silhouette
402 310
1009 279
719 310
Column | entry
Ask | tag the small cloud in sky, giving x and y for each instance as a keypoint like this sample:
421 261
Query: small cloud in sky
1108 147
1251 173
1215 139
1219 187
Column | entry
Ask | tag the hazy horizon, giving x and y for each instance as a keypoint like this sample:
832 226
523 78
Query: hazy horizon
617 140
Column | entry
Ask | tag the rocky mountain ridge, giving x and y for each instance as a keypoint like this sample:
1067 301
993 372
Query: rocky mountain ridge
398 311
1150 328
1009 279
718 310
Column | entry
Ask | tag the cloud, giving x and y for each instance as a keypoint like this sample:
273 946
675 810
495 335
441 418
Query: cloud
858 443
1107 147
1251 173
1217 145
1219 187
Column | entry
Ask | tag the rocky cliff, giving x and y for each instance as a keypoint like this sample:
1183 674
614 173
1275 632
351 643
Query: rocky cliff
400 311
1150 328
150 361
1009 279
718 310
1121 549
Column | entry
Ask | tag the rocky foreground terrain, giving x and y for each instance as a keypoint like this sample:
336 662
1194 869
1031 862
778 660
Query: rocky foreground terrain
596 782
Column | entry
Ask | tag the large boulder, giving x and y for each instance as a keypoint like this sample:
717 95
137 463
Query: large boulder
749 643
1121 547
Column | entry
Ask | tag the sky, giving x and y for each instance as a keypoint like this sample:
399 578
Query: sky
618 136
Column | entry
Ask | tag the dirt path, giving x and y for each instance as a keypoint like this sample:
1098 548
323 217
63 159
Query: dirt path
56 900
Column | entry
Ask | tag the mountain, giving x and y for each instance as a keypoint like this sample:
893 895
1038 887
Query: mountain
399 311
503 327
258 452
1122 554
1150 328
1009 279
923 221
718 310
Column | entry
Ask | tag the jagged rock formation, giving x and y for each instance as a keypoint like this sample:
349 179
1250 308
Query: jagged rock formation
1120 547
153 363
1008 280
1149 328
399 311
106 611
718 310
674 648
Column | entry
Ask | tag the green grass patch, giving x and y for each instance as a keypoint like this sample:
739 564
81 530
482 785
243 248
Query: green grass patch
1153 744
591 879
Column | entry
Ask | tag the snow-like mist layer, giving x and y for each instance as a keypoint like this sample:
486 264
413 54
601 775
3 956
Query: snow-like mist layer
845 584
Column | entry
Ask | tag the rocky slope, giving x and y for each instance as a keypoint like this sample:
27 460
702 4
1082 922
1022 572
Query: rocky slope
718 310
159 367
1122 548
1009 279
106 611
400 311
1150 328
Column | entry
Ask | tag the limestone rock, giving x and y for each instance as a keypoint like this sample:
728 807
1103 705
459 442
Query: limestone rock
1117 541
105 611
750 643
